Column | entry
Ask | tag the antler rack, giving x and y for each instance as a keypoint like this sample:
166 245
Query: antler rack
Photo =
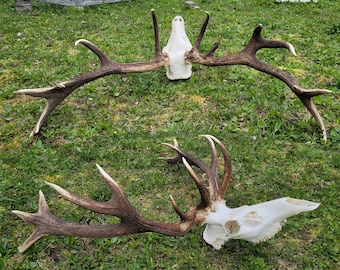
255 223
247 56
45 223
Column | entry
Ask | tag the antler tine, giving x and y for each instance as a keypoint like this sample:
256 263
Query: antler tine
158 48
179 212
305 96
111 207
227 168
101 55
216 192
205 201
29 218
257 42
213 170
175 159
202 32
189 158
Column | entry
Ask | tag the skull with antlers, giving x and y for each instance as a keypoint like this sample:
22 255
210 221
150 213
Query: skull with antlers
177 57
255 223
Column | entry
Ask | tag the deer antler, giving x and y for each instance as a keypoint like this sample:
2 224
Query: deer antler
178 57
56 94
247 57
208 210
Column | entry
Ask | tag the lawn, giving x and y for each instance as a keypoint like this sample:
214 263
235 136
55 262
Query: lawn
121 121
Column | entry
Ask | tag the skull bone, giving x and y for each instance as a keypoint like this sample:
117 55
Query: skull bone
255 223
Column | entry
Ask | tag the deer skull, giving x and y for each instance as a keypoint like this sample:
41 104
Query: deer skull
255 223
179 43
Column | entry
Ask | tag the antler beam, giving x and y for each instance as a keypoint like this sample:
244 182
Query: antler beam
247 57
177 57
253 223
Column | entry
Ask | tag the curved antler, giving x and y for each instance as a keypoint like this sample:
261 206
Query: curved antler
56 94
247 56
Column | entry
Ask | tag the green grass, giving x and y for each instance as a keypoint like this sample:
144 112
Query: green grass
120 122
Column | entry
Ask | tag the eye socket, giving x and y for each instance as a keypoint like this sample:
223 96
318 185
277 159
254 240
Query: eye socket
232 227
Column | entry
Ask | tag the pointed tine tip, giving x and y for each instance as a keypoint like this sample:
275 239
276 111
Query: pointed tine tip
42 202
34 237
18 91
174 204
211 137
54 186
78 41
107 177
41 194
22 249
181 214
33 133
59 189
207 136
166 144
291 49
324 136
186 164
82 41
172 200
174 147
20 214
98 167
102 172
211 140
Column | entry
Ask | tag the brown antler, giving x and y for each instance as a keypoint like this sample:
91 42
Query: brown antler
45 223
247 57
56 94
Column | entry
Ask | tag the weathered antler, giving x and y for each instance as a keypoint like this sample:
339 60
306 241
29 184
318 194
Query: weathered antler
247 57
262 224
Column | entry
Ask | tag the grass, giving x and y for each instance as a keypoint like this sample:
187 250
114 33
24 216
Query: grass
120 122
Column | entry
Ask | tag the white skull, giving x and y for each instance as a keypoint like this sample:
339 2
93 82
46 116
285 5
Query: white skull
255 223
177 45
